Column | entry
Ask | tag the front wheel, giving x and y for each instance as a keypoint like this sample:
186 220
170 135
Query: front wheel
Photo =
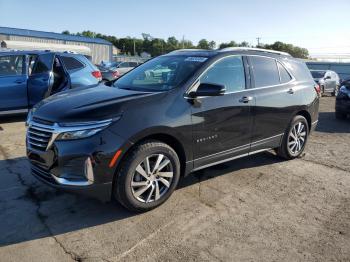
294 139
148 176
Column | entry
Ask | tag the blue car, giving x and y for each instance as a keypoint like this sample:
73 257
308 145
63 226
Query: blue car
27 77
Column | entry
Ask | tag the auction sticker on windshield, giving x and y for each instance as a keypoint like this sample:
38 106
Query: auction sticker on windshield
196 59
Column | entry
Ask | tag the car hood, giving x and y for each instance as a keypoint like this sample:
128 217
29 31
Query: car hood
98 103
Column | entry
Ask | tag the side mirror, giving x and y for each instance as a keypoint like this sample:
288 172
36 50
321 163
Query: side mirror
207 89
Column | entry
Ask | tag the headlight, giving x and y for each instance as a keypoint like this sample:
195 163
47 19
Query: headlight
77 134
69 131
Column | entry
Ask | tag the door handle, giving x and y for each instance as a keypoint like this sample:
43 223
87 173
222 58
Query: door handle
19 81
291 91
245 99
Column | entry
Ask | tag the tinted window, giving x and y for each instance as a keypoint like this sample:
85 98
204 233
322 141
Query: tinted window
43 64
11 65
265 71
71 63
228 72
132 64
284 75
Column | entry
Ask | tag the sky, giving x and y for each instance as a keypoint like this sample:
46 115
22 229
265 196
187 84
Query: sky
320 26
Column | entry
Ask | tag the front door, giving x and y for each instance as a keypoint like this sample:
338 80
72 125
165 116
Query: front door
13 83
41 78
222 125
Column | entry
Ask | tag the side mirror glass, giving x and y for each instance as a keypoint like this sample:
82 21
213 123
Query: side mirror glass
208 89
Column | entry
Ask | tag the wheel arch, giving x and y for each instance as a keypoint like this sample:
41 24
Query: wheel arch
307 116
166 138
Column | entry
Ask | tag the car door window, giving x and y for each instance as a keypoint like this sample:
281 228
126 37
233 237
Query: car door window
71 63
43 64
12 65
228 72
285 77
265 71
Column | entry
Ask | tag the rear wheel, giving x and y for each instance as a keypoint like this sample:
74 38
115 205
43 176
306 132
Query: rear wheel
335 92
148 176
294 139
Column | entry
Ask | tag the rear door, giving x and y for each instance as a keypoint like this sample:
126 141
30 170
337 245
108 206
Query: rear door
277 97
41 78
13 83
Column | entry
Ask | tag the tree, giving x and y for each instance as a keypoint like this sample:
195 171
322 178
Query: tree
66 32
203 44
212 45
230 44
289 48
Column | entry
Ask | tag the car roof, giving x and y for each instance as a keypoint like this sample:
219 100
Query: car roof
32 52
230 50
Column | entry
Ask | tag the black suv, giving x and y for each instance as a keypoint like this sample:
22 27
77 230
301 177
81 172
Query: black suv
177 113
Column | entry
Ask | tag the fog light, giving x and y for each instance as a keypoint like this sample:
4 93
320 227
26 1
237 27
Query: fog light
89 173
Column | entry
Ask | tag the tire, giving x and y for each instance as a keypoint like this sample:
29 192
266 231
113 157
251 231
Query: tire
340 116
322 91
335 92
293 134
130 183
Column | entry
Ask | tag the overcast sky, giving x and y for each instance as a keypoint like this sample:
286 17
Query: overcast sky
320 26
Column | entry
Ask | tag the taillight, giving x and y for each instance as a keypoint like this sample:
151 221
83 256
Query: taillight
97 74
116 74
317 88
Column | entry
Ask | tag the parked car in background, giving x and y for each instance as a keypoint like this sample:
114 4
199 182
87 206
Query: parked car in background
26 77
328 81
125 67
342 102
108 73
134 141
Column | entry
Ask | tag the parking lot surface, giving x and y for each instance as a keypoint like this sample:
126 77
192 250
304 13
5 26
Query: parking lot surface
258 208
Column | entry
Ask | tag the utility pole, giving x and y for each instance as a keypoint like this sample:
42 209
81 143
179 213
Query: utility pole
134 48
258 39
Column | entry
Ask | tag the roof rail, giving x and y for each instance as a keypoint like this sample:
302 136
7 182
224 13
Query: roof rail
254 49
189 49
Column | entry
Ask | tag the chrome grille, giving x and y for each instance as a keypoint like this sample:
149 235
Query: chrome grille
39 136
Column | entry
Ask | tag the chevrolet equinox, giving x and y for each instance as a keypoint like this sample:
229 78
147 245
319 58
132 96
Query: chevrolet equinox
175 114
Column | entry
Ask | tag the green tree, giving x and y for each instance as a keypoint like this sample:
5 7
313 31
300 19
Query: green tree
203 44
289 48
230 44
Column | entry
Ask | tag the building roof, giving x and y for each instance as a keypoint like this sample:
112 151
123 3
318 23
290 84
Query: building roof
57 36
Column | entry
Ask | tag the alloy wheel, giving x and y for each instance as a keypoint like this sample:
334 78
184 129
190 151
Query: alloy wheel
152 178
297 138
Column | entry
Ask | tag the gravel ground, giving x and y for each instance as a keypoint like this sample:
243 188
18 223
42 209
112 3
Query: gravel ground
258 208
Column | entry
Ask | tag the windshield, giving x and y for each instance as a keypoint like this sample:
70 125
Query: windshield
160 74
318 74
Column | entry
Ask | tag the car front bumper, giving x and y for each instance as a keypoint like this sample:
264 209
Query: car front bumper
79 166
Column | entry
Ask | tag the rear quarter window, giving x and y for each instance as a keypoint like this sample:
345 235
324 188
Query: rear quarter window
72 63
284 75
